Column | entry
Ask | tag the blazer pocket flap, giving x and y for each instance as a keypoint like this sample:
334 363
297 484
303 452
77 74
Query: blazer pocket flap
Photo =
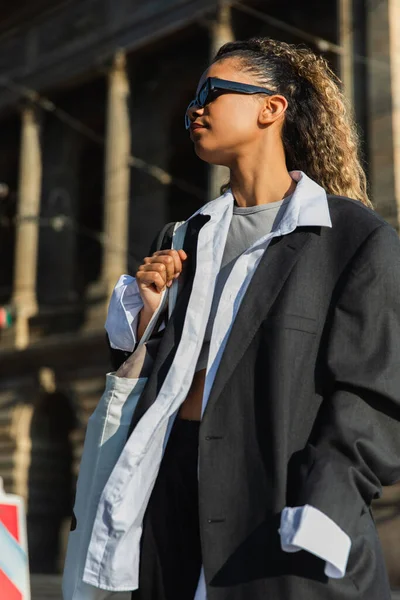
289 321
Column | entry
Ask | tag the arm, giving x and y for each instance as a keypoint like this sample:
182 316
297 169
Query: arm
354 448
134 300
126 320
125 306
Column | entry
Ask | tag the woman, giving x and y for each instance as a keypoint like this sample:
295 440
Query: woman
281 359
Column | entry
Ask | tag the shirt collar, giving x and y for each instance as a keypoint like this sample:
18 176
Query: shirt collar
313 202
307 207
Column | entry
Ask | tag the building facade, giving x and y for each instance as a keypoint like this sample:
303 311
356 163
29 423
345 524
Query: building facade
94 159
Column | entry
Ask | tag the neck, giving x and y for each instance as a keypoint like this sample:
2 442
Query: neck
261 179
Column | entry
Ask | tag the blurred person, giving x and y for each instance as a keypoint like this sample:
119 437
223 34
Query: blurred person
281 356
50 476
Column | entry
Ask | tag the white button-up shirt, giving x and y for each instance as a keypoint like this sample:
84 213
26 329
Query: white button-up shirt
113 557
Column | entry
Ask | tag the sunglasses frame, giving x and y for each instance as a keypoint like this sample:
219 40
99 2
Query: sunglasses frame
213 84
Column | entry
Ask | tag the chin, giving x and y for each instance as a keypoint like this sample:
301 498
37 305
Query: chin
213 156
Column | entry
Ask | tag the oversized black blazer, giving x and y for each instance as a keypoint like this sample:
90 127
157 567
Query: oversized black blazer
305 408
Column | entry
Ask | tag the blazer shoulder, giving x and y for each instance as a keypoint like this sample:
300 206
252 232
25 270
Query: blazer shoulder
348 212
356 227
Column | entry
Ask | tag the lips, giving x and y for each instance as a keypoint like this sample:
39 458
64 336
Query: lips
195 126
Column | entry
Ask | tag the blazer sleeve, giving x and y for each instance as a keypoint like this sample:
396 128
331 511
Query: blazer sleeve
354 448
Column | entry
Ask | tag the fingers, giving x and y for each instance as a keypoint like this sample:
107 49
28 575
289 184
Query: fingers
147 278
182 254
161 269
163 264
172 259
178 257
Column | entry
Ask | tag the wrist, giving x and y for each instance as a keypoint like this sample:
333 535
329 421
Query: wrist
147 312
144 319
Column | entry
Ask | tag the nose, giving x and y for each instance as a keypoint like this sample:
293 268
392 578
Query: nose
194 111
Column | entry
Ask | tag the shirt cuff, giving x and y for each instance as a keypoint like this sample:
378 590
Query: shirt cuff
122 317
307 528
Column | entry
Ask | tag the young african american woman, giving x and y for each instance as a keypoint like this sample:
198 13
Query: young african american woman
271 418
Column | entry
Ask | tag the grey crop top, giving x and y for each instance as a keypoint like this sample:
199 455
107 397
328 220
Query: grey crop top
248 225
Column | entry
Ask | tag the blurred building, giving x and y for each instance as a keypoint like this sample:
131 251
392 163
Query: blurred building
94 159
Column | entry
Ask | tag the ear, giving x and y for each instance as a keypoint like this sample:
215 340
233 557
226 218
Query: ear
272 109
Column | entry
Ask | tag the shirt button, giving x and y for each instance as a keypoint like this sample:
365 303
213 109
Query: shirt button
208 438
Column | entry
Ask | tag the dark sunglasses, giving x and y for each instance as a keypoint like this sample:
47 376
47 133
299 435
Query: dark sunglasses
214 87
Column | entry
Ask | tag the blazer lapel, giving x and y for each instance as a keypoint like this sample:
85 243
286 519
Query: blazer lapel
274 268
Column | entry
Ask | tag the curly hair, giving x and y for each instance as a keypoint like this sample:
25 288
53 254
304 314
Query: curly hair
319 133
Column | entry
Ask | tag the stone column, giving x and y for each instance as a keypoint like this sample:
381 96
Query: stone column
221 33
383 30
346 41
117 175
394 32
27 227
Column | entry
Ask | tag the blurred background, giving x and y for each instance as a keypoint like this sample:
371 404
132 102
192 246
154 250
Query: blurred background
94 160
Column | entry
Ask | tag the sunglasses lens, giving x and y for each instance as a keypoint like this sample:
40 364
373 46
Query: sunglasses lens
203 95
187 120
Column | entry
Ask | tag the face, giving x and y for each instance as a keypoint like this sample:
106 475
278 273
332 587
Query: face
231 123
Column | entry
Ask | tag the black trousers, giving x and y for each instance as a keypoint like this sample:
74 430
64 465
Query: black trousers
170 557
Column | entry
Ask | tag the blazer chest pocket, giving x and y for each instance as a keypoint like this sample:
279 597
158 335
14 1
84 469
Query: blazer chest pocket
290 321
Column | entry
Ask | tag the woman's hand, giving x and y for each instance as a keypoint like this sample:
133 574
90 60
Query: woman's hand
155 274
